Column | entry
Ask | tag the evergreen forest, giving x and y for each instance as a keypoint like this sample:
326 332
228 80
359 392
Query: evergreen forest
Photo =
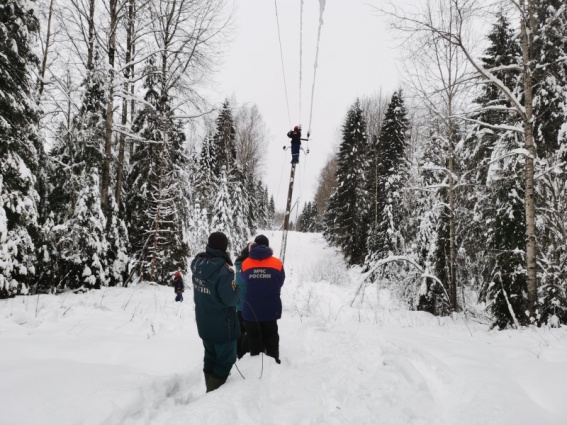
452 188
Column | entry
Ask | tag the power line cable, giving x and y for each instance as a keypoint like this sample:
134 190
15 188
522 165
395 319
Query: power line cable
315 65
300 53
282 59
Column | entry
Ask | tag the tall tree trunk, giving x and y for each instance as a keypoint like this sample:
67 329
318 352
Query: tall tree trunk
131 22
122 146
90 48
109 109
451 88
527 31
452 245
45 51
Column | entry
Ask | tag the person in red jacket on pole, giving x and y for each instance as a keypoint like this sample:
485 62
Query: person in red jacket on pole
295 136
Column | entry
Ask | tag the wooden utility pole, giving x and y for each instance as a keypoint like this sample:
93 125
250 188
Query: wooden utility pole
287 211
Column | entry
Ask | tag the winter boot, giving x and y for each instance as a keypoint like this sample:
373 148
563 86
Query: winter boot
214 383
207 376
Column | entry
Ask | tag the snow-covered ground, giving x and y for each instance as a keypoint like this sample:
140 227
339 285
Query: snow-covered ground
133 356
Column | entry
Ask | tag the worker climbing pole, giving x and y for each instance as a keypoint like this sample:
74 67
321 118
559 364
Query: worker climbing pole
295 134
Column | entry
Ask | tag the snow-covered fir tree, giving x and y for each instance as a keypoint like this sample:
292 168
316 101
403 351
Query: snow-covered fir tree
550 104
251 200
347 212
156 213
229 190
240 203
271 212
78 236
498 201
389 174
308 221
206 179
224 141
222 213
263 200
550 78
20 148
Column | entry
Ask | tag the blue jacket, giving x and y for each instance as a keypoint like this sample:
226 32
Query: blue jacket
215 297
264 276
238 277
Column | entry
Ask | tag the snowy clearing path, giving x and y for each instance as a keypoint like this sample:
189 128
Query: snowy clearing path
132 356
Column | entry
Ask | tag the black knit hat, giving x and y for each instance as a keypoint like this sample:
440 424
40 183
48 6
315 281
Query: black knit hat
218 240
262 240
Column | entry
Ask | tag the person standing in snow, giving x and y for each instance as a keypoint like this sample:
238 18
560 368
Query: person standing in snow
264 276
178 286
242 343
216 295
295 136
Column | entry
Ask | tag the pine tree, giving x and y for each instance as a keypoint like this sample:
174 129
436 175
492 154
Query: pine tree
390 169
157 216
222 214
308 221
20 148
271 212
233 201
550 104
550 78
503 52
426 225
240 210
303 222
251 199
346 217
314 225
331 228
118 245
262 212
79 225
225 141
499 201
206 179
504 219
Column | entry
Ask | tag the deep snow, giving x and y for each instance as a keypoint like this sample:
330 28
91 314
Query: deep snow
133 356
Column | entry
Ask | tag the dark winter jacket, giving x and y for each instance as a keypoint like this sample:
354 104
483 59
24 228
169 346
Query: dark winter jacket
264 276
295 136
238 277
215 296
178 285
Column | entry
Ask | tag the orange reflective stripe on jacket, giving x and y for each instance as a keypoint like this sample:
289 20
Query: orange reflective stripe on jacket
271 262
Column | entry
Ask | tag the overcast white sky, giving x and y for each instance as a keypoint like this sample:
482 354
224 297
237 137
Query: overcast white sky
356 57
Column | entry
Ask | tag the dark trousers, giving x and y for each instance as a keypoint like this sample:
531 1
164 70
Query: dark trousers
263 336
295 152
179 297
242 342
219 358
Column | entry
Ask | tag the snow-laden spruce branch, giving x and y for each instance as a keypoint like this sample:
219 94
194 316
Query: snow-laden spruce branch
502 127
